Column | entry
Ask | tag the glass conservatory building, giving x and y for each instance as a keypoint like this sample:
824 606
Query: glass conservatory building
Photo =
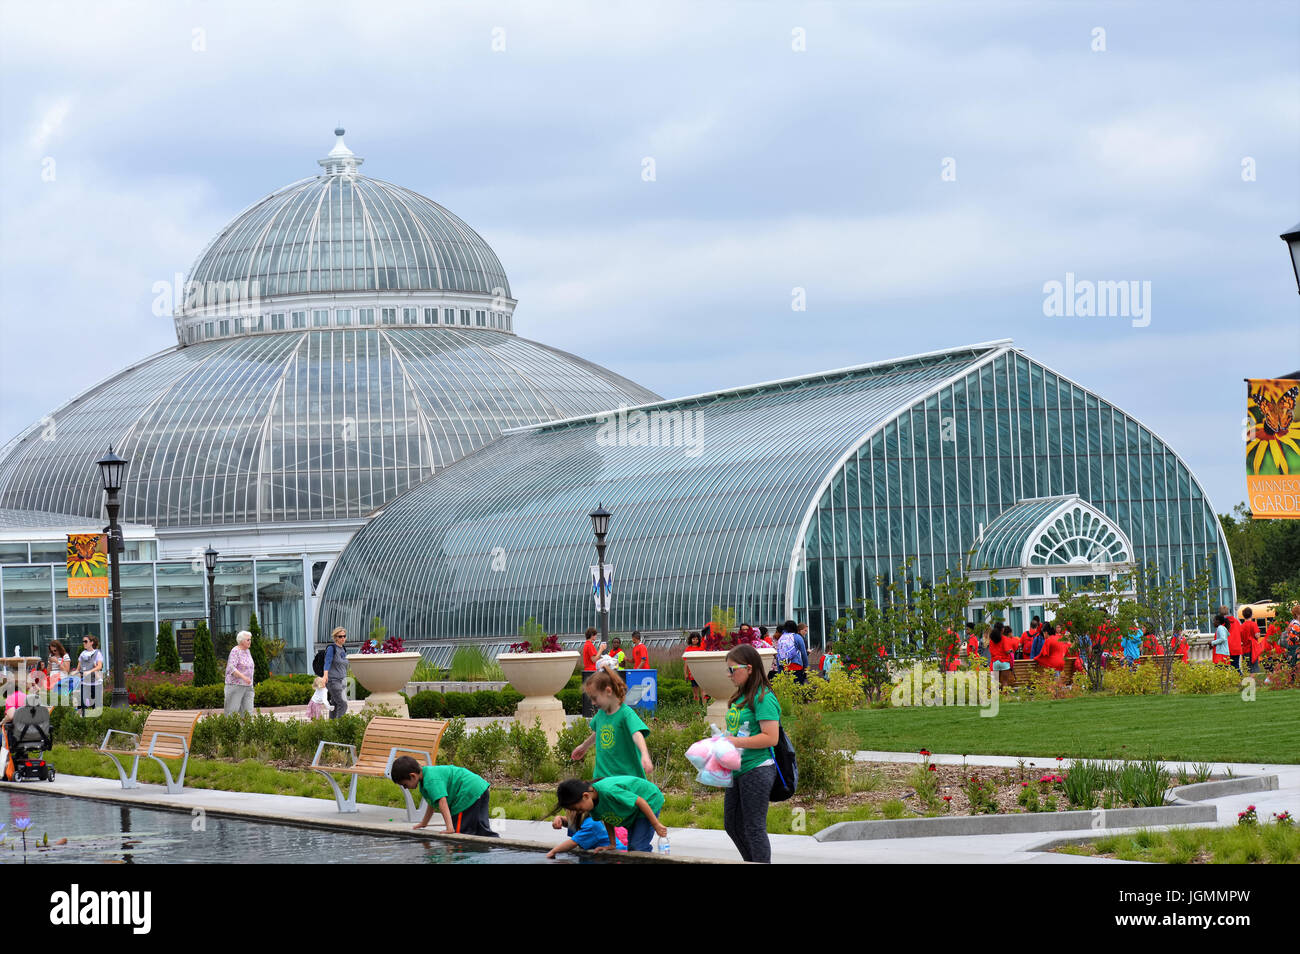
785 500
341 340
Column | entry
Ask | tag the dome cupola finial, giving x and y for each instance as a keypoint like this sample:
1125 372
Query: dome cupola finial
341 161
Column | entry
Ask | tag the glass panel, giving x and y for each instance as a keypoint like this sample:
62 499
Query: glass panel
50 553
280 610
233 597
29 616
181 592
13 553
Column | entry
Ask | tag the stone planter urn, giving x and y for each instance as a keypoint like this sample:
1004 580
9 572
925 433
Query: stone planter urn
710 671
539 676
384 675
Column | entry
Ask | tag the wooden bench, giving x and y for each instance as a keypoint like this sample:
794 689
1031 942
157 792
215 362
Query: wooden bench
385 739
168 734
1024 669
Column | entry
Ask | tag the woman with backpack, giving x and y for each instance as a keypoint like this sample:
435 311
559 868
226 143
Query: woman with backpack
754 727
792 652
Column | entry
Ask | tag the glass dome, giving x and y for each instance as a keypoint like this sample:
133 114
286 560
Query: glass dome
341 232
312 426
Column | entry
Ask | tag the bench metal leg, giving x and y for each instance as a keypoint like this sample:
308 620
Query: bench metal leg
348 804
412 812
176 786
135 767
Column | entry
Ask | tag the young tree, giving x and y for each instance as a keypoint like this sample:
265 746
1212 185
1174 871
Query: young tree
166 657
1168 605
1091 612
206 670
257 649
862 638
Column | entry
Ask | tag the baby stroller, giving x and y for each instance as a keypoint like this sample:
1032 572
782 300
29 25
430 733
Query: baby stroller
26 737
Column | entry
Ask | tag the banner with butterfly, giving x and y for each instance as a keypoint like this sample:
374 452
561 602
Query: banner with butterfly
88 565
1273 448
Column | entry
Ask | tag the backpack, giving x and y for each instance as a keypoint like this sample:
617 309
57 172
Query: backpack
318 663
786 650
787 769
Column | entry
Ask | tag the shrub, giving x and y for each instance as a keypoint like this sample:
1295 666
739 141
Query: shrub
166 657
674 692
1205 678
483 750
280 692
167 696
453 737
531 750
839 693
206 672
570 737
257 649
68 727
571 699
427 705
1144 680
823 761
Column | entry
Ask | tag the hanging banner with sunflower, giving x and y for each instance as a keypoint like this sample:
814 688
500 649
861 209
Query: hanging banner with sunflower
1273 448
88 564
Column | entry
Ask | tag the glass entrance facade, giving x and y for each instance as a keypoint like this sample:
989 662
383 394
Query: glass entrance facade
35 607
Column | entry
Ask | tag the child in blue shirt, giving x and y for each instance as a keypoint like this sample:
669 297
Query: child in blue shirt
585 833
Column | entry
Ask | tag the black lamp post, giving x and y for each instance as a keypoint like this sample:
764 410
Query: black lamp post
1292 239
600 525
111 468
210 561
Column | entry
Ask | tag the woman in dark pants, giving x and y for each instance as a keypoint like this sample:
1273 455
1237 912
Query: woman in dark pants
754 727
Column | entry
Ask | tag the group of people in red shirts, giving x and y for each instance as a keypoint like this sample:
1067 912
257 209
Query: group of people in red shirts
1050 647
1249 649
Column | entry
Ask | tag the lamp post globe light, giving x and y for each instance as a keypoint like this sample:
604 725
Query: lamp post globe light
111 470
210 561
600 526
1292 239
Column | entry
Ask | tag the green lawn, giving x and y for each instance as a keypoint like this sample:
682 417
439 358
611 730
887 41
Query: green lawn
1238 845
1191 728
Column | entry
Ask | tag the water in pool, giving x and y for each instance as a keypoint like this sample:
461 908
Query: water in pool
104 833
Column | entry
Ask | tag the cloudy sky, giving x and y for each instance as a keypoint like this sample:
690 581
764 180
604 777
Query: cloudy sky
919 170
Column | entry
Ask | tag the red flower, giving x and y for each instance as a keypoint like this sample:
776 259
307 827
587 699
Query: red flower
1024 784
934 768
925 752
947 798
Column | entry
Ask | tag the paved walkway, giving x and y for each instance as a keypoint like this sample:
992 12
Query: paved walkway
709 845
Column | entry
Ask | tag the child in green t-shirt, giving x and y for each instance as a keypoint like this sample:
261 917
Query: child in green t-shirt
754 727
617 800
459 794
616 730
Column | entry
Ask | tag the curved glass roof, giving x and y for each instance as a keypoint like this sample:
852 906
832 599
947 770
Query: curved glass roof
344 232
306 426
1050 531
708 495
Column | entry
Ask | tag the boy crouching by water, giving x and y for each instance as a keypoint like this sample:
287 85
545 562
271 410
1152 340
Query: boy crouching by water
459 794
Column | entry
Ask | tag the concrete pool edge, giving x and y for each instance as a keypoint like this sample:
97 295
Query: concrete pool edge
143 798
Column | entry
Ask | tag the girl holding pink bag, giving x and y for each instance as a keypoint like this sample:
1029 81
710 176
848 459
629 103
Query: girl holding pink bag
754 727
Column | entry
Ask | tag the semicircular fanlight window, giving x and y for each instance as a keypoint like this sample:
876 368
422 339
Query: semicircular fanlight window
1078 536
